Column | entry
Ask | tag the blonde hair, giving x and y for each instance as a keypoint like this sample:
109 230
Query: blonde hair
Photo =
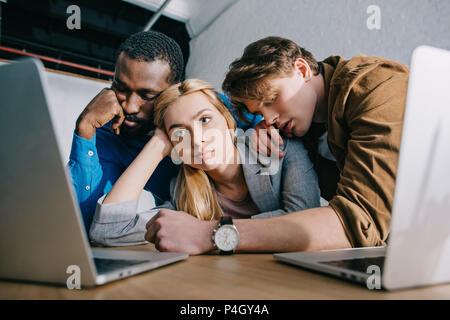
195 192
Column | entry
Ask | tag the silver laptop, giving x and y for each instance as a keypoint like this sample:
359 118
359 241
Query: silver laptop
418 250
42 236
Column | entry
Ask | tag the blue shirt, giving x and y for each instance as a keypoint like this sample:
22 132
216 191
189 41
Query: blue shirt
97 163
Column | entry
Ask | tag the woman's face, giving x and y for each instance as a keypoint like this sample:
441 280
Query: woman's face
199 132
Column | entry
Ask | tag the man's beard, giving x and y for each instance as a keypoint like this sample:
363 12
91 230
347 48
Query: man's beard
142 128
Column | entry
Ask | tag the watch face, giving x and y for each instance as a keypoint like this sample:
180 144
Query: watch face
226 238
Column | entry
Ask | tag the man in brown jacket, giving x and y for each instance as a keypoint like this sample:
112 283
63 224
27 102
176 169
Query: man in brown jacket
350 115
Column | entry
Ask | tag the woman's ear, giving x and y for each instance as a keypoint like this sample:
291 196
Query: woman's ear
302 68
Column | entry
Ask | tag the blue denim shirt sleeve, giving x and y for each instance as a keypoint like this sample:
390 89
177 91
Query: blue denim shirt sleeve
253 119
88 174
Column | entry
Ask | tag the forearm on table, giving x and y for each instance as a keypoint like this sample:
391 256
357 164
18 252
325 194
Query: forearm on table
307 230
131 183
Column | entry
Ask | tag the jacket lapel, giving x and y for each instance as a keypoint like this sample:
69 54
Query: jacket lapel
259 185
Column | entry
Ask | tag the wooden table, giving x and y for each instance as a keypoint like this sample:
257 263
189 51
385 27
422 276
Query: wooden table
241 276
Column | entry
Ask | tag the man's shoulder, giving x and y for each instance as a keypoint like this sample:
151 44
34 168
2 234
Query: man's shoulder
367 71
363 81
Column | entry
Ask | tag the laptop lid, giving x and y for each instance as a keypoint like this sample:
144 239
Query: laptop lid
419 246
41 231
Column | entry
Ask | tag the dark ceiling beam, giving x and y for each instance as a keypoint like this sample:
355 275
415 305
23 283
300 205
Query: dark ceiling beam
156 16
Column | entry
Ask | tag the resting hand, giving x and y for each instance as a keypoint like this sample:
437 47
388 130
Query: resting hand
161 141
266 140
103 108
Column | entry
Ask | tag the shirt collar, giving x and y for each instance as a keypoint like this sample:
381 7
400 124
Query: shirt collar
328 67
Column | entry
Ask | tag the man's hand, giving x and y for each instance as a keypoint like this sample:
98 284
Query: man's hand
266 139
177 231
102 109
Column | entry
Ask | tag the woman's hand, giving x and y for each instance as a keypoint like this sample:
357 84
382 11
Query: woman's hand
131 183
160 142
178 231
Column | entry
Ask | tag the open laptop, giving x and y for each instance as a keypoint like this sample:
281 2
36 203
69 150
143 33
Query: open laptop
42 236
418 250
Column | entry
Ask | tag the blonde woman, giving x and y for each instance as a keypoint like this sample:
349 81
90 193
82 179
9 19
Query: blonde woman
217 178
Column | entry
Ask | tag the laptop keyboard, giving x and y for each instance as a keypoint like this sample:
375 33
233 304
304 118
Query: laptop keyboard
108 265
357 264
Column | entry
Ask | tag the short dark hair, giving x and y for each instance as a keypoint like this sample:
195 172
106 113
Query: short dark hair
151 46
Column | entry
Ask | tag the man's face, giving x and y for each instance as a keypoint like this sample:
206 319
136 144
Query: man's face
137 84
293 106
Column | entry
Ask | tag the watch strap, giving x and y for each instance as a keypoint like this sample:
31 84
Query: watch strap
225 220
225 253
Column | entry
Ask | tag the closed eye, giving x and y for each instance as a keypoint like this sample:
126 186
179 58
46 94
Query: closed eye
149 96
146 98
270 100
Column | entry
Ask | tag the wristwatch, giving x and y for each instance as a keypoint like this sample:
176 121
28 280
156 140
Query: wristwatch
225 236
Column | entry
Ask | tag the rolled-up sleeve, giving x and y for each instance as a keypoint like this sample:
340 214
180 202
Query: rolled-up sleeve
365 191
92 174
86 172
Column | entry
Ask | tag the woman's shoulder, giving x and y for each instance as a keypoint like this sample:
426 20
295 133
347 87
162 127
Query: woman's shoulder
295 154
293 145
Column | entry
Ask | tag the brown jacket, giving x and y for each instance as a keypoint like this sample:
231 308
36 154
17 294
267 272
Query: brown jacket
366 102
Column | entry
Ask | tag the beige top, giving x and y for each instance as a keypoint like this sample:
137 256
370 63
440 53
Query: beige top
237 209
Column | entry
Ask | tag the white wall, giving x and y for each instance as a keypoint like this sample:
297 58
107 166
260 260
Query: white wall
69 96
325 27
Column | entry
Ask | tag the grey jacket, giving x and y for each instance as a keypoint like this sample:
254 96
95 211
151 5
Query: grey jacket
277 186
